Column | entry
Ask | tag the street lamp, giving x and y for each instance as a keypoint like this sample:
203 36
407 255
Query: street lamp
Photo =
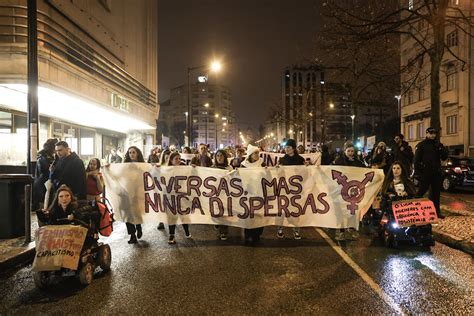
353 117
215 67
331 105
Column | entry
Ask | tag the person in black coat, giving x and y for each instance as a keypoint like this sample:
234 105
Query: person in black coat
348 157
380 158
402 152
325 155
202 159
428 156
69 169
44 160
291 158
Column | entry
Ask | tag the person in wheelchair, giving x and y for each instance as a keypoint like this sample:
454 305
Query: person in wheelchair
397 186
66 208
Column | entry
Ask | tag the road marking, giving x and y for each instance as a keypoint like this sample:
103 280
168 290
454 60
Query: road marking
367 279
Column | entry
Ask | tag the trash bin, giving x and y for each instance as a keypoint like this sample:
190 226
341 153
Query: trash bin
12 204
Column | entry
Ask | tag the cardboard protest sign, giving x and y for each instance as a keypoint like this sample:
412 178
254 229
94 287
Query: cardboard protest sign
293 196
414 212
58 246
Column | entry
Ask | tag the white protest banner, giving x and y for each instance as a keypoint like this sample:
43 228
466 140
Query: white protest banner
294 196
58 246
271 159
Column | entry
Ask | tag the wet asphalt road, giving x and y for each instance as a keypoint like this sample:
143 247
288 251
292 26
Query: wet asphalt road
208 276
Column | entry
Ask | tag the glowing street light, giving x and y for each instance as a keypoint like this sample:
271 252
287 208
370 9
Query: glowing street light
216 66
331 105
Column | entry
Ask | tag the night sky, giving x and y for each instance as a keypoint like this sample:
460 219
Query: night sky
256 39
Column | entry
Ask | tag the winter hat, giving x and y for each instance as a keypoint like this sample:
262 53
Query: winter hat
431 130
251 149
291 142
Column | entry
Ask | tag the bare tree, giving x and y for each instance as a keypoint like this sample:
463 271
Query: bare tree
364 22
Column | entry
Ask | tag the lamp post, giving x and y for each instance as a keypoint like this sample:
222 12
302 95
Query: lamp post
215 67
186 132
207 118
353 117
216 116
399 97
322 82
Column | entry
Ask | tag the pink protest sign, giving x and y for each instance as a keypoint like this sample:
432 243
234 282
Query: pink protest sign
414 212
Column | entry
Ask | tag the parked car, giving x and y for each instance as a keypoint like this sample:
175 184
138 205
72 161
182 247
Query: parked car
457 171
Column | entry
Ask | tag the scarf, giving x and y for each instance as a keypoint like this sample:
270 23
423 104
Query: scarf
246 163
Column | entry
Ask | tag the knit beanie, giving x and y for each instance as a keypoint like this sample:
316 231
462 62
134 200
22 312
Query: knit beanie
291 142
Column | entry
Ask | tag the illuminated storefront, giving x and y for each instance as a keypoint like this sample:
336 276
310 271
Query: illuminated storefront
97 81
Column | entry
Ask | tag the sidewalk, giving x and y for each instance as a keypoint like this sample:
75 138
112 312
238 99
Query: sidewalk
14 252
456 230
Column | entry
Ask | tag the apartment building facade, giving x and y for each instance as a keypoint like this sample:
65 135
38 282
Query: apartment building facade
213 119
456 80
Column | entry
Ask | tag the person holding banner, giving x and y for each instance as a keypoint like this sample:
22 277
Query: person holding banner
175 160
134 230
251 161
221 162
347 158
291 158
165 155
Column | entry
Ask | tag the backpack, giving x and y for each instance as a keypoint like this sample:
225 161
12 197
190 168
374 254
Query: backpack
106 217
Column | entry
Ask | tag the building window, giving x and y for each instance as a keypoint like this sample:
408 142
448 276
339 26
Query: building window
421 130
411 134
452 39
452 124
422 90
451 79
411 97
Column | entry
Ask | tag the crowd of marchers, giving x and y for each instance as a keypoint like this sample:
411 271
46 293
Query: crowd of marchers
72 184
